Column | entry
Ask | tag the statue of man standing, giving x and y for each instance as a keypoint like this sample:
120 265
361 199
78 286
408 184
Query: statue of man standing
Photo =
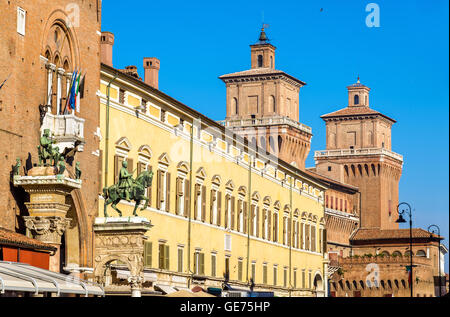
125 180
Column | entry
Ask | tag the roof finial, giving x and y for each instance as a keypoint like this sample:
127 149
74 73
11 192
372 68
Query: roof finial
263 39
358 80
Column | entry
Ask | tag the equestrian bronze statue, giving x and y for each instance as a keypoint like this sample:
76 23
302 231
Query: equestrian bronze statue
128 189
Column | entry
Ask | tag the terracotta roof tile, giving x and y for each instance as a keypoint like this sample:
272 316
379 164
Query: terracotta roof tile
11 238
354 111
377 234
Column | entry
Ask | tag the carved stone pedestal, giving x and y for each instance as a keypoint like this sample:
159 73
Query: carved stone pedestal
121 239
47 207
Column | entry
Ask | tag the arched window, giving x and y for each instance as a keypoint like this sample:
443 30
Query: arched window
280 142
356 100
421 253
260 61
271 61
272 105
235 109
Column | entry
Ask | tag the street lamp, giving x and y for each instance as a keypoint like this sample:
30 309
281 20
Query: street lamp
402 220
435 227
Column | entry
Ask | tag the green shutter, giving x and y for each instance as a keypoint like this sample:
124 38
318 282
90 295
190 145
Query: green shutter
161 256
202 264
166 257
148 254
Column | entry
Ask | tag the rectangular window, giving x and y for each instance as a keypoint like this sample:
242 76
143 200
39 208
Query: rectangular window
285 276
240 270
326 201
227 266
340 204
265 274
180 259
213 264
199 263
147 254
345 205
227 242
21 17
163 256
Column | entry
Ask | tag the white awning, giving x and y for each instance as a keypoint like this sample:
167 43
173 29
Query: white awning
165 288
21 277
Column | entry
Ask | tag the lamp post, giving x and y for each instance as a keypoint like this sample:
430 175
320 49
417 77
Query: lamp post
402 220
435 227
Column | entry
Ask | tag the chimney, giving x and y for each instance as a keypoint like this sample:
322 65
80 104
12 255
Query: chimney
106 48
151 67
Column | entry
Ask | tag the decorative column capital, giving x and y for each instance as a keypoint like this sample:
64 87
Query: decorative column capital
61 71
47 229
50 66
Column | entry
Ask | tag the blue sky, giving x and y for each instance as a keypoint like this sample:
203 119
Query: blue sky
404 62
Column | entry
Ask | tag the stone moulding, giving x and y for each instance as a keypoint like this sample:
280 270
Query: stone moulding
47 180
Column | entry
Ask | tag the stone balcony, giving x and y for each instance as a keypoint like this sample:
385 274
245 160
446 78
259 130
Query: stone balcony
357 152
268 121
66 130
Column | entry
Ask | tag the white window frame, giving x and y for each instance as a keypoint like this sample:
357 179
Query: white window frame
21 26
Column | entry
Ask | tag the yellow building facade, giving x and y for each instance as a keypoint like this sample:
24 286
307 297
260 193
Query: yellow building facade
214 215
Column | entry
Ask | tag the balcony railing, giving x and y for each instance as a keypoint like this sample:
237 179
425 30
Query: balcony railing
65 129
357 152
265 121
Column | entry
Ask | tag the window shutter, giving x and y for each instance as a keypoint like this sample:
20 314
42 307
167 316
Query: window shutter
213 265
130 165
297 234
139 167
269 225
232 212
301 235
284 230
245 216
289 242
211 206
257 221
159 189
166 257
196 202
161 256
187 198
149 189
252 219
177 195
116 169
324 238
180 260
227 212
203 203
196 257
168 192
202 263
148 254
219 207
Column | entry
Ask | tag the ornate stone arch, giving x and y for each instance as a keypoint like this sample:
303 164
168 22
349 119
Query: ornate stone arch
256 196
57 19
164 159
145 151
183 166
216 179
230 185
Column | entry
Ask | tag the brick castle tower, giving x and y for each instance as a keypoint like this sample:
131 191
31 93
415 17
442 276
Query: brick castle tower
263 106
358 152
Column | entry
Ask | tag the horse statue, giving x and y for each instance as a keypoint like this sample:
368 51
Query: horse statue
113 194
